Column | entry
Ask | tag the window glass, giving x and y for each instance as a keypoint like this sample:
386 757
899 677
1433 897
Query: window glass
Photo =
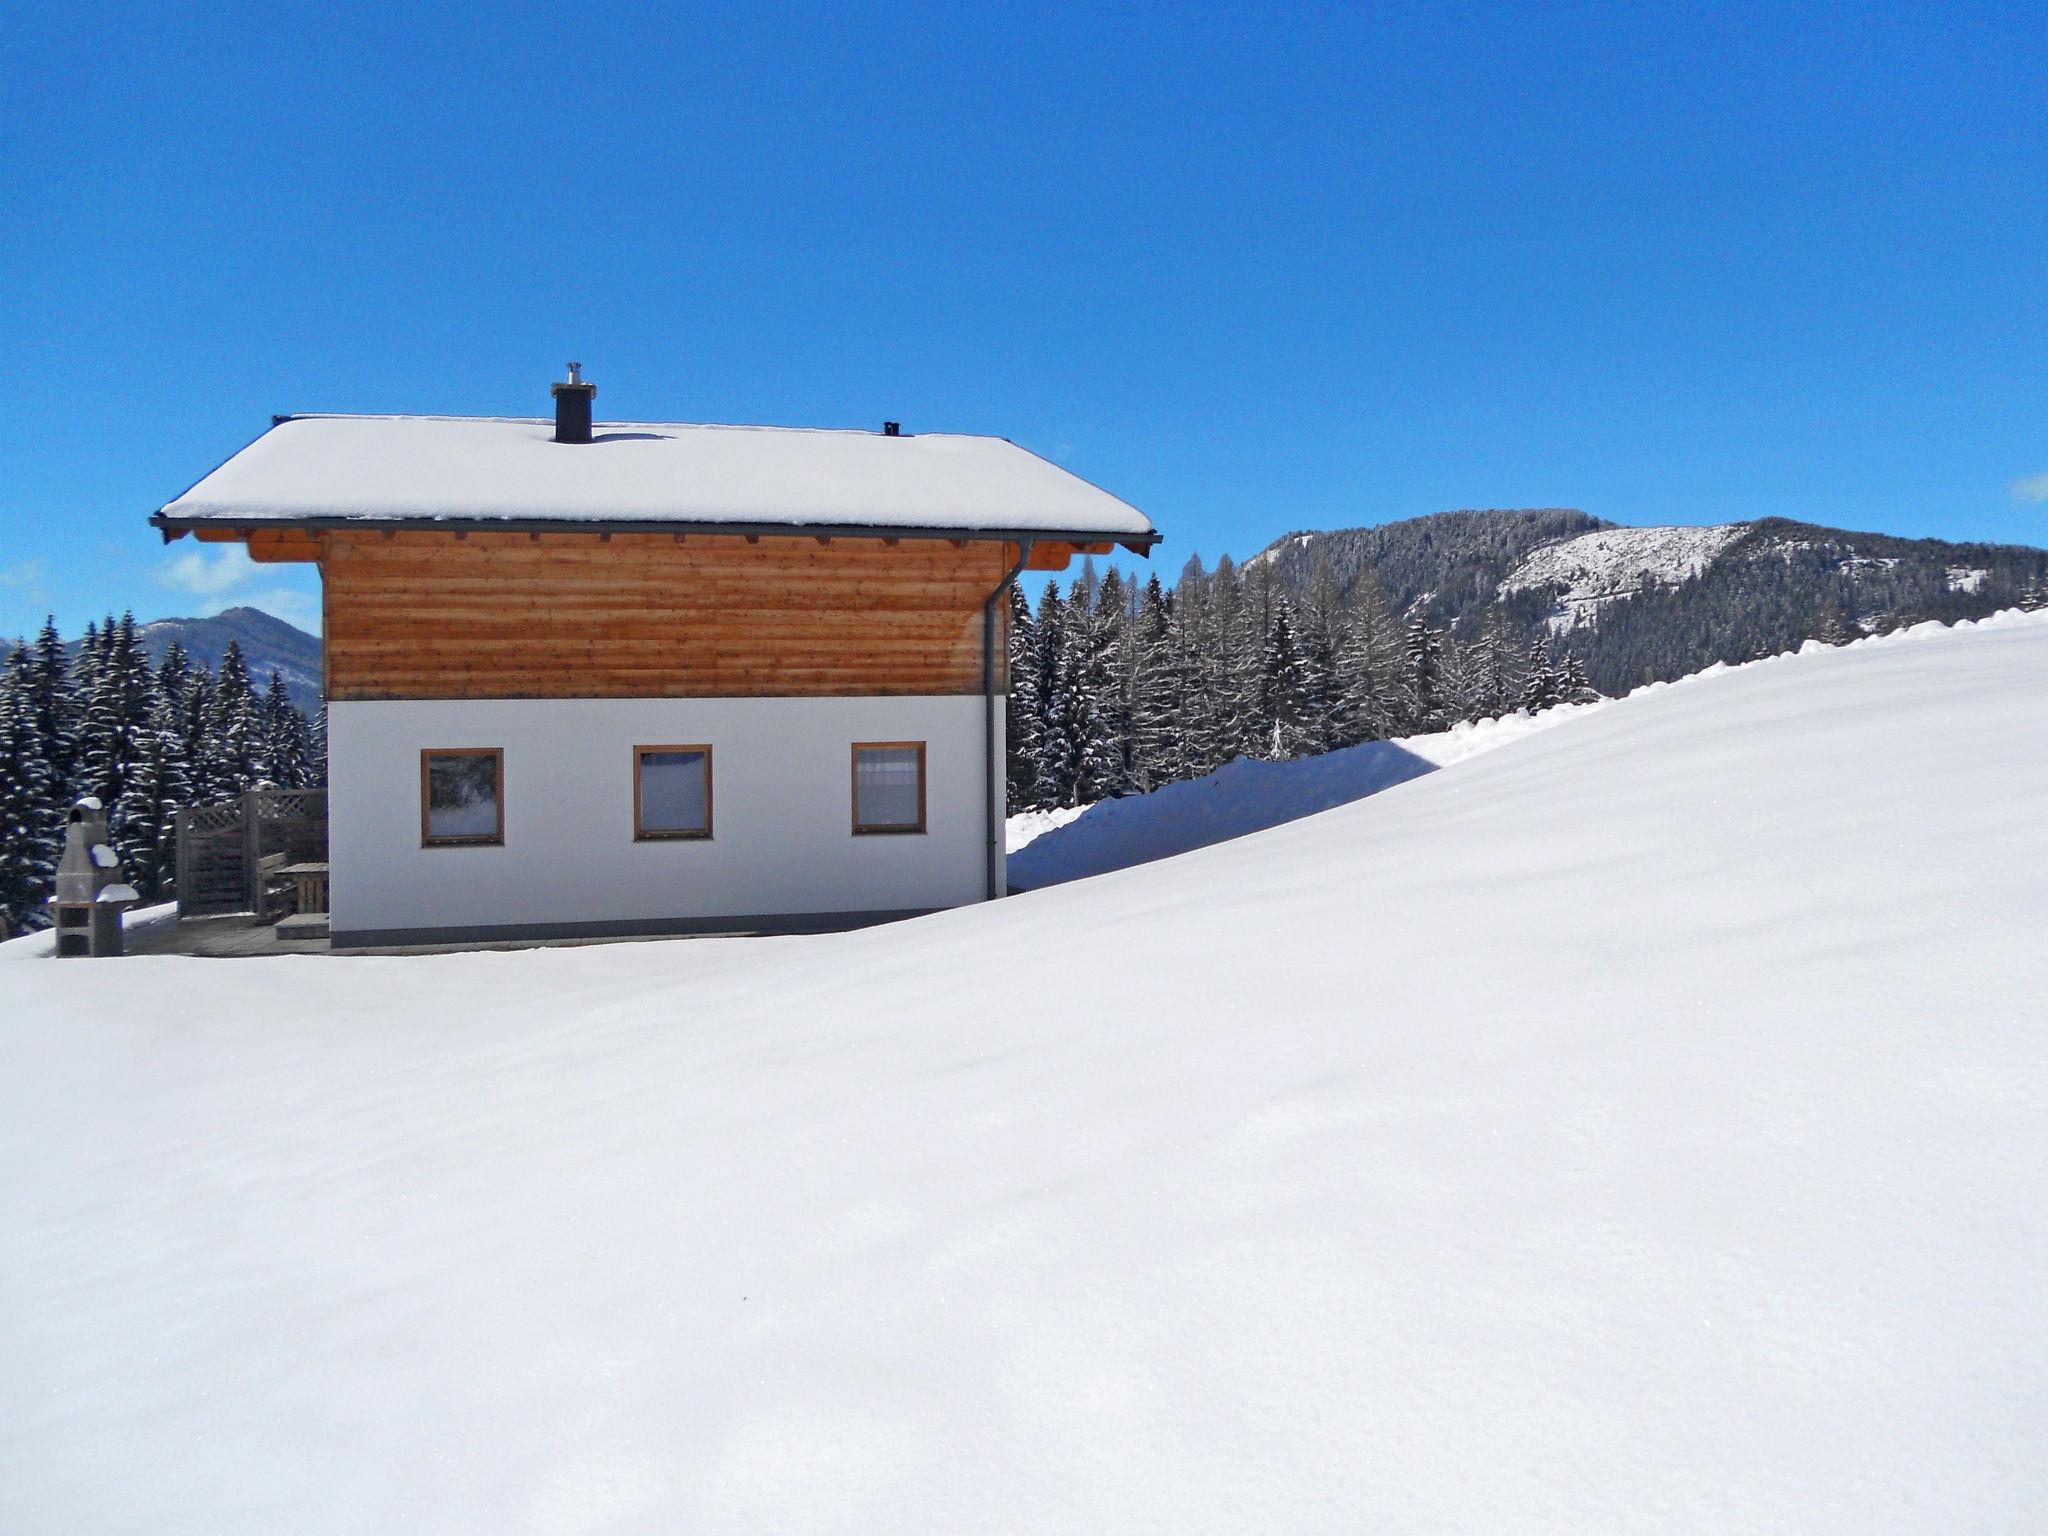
464 803
888 787
675 792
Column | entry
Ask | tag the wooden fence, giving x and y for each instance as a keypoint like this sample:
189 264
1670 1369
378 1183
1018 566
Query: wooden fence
219 845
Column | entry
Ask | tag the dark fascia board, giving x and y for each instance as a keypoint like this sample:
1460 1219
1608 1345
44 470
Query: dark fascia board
1137 543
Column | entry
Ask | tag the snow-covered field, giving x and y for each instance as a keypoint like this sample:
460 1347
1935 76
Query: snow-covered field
1594 569
1639 1128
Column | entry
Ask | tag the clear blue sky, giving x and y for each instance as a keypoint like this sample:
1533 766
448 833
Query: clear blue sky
1253 269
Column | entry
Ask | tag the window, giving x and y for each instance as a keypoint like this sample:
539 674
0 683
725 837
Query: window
888 786
671 792
462 796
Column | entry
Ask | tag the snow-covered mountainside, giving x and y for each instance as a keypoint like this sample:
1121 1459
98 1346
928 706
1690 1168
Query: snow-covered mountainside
1634 1129
1722 594
1610 564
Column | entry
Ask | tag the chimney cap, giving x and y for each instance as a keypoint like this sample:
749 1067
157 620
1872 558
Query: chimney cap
575 373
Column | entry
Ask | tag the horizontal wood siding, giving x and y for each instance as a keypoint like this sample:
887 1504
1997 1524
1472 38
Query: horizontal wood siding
416 615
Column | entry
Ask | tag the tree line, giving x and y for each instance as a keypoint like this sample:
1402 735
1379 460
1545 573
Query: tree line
146 741
1116 689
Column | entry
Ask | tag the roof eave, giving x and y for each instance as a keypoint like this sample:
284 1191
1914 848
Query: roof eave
1137 543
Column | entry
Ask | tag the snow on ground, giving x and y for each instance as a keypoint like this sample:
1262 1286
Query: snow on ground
1243 796
1594 569
1638 1129
42 944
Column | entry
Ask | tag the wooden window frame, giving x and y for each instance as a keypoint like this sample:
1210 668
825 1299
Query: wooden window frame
640 833
899 830
469 840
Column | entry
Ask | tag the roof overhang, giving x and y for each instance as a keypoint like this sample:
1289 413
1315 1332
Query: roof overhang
176 527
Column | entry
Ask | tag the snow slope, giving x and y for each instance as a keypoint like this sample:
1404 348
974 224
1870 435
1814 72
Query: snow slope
1598 568
1636 1129
1243 796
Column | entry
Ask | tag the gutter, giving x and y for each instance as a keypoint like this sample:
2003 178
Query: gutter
1136 543
997 885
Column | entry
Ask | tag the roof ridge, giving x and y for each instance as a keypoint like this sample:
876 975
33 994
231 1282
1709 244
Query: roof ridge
549 421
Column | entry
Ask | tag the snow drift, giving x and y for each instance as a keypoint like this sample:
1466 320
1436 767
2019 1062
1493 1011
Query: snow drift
1638 1128
1243 796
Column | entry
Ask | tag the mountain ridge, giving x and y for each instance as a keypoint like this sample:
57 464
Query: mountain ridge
268 644
1653 603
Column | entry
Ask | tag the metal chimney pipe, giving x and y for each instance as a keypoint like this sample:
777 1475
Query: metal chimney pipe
572 407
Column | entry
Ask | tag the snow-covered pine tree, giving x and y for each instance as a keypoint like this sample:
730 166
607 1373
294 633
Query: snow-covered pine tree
31 799
1020 708
1501 677
316 736
285 748
1191 641
1367 689
1156 747
1057 766
54 697
145 818
232 746
1541 687
1319 631
1106 752
1283 689
1086 686
119 694
1572 685
1232 673
1463 688
1422 681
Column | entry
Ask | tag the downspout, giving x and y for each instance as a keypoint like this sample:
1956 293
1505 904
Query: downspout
993 855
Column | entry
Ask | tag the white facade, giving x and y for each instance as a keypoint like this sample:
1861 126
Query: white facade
782 844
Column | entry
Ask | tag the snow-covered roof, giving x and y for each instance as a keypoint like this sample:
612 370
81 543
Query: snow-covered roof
323 470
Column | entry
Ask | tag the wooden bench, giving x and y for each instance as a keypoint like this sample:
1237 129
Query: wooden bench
273 891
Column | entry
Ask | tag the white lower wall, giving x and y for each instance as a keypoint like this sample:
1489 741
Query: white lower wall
782 812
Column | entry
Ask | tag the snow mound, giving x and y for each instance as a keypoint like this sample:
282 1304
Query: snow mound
1636 1129
1609 564
1242 797
42 944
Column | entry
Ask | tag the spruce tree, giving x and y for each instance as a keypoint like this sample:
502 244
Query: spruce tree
1541 688
1106 752
231 749
31 799
54 698
1232 672
1021 723
1156 745
145 818
1367 702
119 693
1573 688
285 748
317 749
1191 644
1422 651
1283 689
1058 768
1501 678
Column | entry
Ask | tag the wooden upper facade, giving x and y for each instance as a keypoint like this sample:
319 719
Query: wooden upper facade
427 614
